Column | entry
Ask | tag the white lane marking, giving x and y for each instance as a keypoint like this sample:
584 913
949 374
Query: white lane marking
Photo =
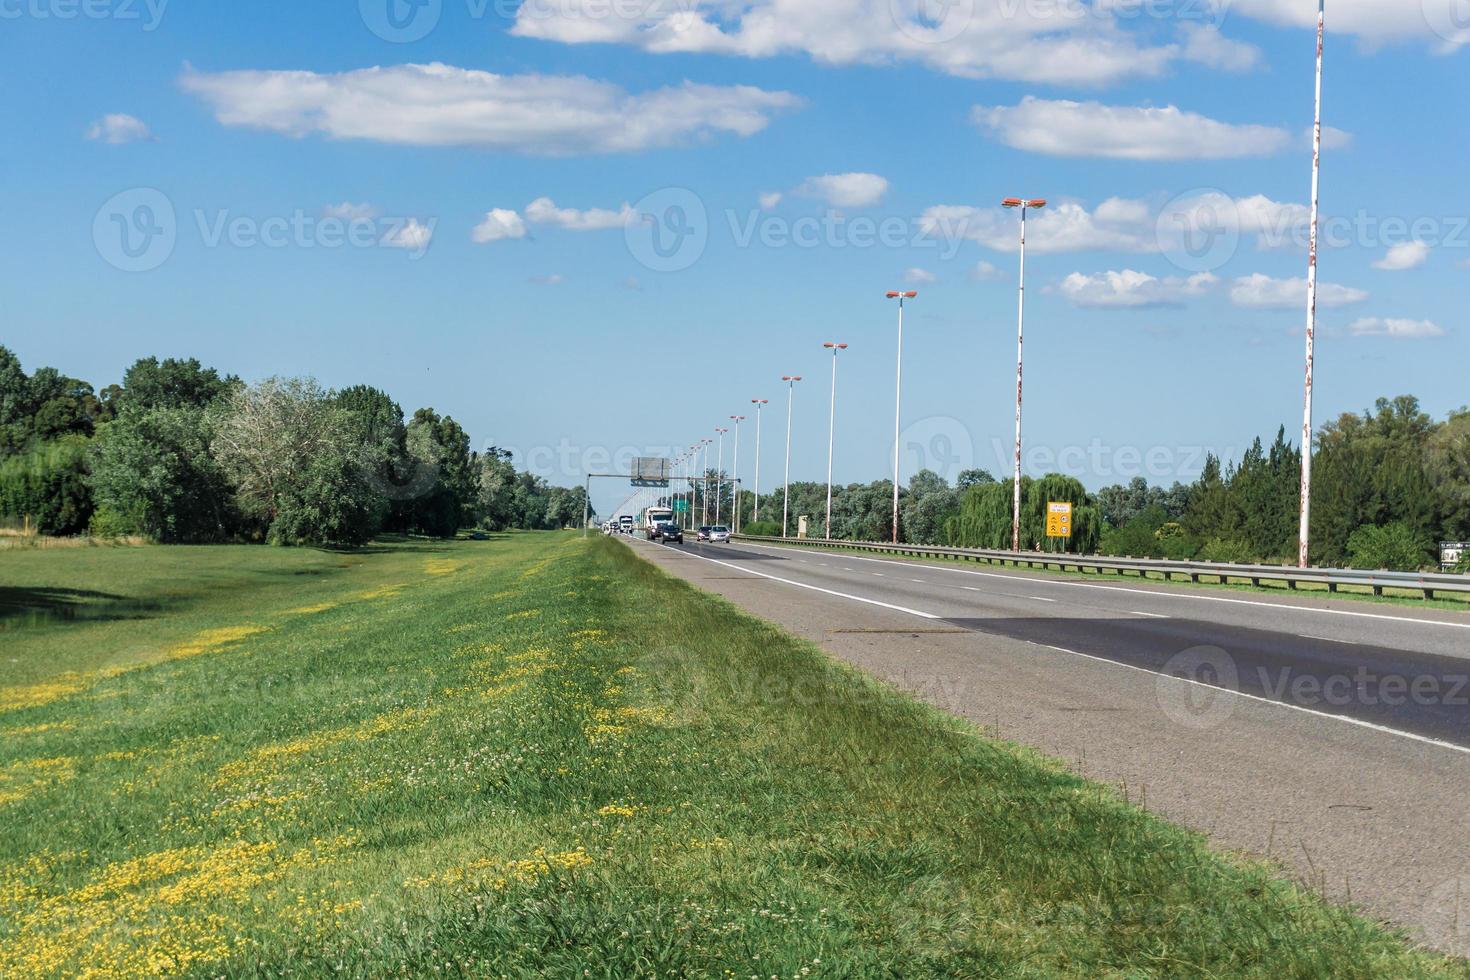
1033 598
1155 593
1149 615
879 574
803 585
919 580
1325 639
1382 729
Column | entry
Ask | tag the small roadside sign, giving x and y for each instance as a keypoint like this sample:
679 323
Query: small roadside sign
1058 520
1451 553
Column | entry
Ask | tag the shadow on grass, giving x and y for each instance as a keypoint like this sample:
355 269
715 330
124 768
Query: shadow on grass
22 607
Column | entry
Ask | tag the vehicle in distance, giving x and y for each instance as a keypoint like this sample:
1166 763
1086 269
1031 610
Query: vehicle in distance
703 534
719 534
667 532
625 523
653 517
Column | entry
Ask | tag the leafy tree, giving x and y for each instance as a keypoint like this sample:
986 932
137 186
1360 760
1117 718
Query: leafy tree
15 405
972 478
153 474
48 484
173 383
926 507
440 442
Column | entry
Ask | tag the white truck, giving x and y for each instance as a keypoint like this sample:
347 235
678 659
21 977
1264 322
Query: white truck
653 517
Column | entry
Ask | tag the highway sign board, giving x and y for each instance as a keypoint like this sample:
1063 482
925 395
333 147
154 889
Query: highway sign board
651 471
1058 520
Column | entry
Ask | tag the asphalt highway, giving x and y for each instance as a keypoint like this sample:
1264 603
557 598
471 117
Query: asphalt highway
1330 735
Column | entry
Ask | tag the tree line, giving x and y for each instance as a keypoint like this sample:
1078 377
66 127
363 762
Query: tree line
1389 484
179 453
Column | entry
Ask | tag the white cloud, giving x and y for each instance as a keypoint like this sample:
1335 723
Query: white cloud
441 105
985 272
1261 292
917 276
117 128
1438 22
1395 328
1127 289
1207 46
1091 129
499 225
1116 225
543 211
853 190
409 235
1406 255
1332 138
770 199
347 211
555 279
1034 42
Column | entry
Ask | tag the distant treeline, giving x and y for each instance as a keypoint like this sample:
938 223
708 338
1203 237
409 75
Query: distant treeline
179 453
1389 484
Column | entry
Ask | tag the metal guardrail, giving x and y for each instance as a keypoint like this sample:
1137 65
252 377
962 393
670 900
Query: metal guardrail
1428 583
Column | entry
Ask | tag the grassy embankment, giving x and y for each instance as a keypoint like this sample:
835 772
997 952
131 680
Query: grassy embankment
537 756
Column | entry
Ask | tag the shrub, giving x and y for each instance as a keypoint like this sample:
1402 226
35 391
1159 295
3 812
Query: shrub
765 529
1390 547
48 485
1228 550
109 523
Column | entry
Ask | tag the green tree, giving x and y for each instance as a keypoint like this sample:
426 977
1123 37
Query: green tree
173 383
153 474
49 486
1394 547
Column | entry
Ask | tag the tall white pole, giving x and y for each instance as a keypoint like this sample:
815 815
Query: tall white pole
759 403
735 475
897 410
704 484
1305 531
786 483
1020 348
720 476
831 433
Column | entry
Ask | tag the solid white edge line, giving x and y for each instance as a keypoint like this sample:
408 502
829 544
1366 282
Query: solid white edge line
1371 726
803 585
1149 592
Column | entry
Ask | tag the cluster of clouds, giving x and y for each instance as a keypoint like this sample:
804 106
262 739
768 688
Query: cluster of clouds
1129 289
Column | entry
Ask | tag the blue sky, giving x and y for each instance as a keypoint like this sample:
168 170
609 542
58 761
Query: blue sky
560 333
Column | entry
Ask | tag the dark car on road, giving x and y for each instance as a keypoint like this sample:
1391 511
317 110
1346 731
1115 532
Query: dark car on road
703 534
668 532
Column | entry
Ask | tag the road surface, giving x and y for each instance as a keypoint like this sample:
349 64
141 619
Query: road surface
1330 735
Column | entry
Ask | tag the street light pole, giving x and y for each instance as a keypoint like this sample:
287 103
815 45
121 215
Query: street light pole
791 380
720 474
704 483
1023 204
1305 531
831 430
735 473
759 404
898 404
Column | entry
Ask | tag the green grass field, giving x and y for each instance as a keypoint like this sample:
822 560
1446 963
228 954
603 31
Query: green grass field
539 756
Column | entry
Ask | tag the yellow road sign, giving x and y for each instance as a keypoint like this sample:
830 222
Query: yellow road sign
1058 520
